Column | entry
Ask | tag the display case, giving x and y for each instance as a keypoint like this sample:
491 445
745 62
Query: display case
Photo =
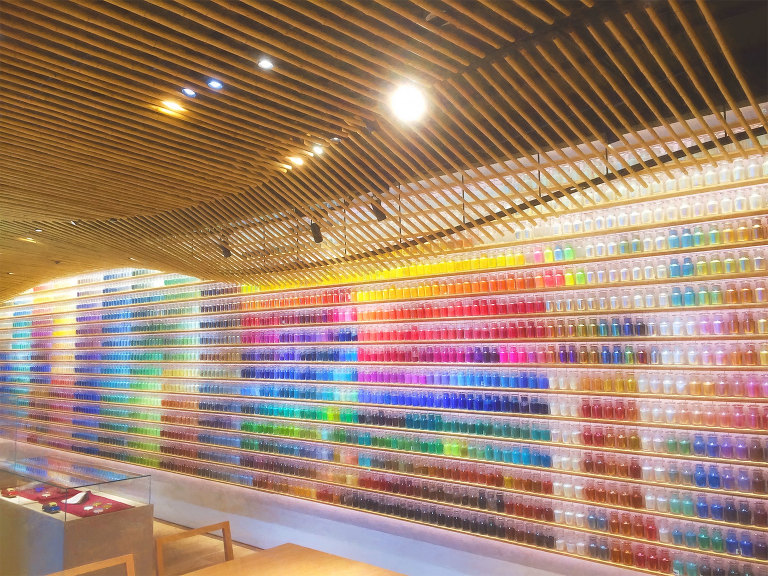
596 387
58 513
70 490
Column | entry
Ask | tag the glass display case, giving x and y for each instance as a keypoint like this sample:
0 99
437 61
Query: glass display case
70 490
58 511
596 387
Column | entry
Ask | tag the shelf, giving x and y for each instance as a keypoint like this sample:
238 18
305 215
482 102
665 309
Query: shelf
493 488
417 522
533 391
440 320
328 435
453 505
78 286
676 195
462 459
489 487
673 367
495 270
287 381
335 344
509 415
497 513
536 391
192 283
439 433
681 280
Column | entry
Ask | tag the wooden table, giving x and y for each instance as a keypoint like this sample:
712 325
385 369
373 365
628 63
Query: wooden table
292 560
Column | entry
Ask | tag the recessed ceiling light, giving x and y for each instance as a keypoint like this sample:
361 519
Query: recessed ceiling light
175 106
408 103
188 92
335 139
215 84
31 240
73 223
11 273
317 149
38 229
297 160
266 64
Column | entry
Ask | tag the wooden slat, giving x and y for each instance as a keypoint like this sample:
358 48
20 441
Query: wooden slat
523 98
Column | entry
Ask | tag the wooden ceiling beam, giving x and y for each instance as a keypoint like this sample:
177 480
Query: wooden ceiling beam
623 126
91 149
348 13
525 98
180 139
717 76
246 125
626 100
658 118
410 177
734 65
134 58
405 10
351 101
692 110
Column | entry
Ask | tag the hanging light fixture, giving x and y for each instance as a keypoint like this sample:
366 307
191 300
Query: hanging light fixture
223 244
377 211
317 236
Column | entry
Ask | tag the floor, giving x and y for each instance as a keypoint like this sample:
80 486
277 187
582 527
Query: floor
195 552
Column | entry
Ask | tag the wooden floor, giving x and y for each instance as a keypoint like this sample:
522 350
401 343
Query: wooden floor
196 552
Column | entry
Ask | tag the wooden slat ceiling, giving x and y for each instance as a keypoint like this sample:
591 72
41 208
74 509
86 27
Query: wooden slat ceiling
532 90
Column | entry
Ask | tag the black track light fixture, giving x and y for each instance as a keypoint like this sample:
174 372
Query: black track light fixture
377 211
224 246
610 138
317 236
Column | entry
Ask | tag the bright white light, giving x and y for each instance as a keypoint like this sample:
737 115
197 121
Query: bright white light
317 149
188 92
408 103
38 229
171 105
73 223
215 84
335 139
266 64
298 161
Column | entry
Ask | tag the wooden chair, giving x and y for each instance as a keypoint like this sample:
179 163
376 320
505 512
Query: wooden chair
126 561
229 553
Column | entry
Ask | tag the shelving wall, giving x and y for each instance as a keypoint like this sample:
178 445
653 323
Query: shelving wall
598 389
